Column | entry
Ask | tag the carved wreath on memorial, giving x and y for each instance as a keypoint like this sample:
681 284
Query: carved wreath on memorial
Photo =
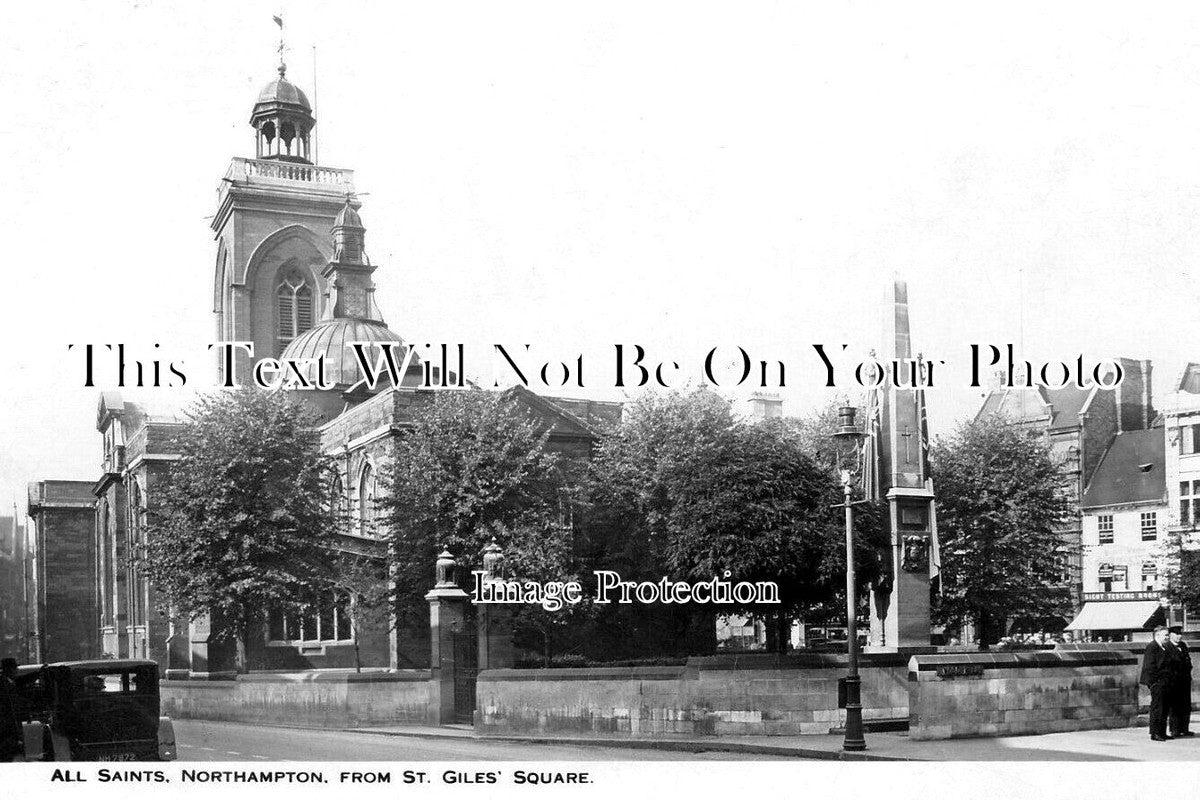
916 554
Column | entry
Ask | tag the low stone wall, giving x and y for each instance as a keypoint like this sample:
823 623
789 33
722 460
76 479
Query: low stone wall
1136 649
1005 694
748 694
317 699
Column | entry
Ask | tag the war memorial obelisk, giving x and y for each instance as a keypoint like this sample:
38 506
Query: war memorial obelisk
896 472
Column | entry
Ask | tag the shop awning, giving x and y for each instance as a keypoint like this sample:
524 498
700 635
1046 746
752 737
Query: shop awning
1129 615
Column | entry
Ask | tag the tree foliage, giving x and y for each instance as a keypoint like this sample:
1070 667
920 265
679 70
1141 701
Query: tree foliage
474 466
238 523
683 488
1001 505
1181 552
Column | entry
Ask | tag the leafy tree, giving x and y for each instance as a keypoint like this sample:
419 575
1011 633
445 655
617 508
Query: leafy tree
1182 555
363 576
682 488
239 522
546 553
474 466
1001 505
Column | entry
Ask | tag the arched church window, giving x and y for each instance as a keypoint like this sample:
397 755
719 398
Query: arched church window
366 501
295 304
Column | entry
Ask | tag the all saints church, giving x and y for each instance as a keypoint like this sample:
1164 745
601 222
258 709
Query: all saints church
292 275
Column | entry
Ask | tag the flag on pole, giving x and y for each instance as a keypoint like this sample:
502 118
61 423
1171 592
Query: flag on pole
278 21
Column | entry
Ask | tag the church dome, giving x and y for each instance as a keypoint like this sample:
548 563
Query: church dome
282 92
332 339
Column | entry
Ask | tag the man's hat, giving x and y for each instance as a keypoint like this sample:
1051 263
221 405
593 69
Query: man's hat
1176 629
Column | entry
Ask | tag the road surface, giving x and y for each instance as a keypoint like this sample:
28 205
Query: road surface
200 740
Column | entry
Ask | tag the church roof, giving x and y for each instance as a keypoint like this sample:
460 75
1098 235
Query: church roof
347 217
283 92
332 339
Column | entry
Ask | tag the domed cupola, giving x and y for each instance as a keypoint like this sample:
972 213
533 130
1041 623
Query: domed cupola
283 121
349 236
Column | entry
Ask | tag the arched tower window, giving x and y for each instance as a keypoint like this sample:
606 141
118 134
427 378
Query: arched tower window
294 300
366 501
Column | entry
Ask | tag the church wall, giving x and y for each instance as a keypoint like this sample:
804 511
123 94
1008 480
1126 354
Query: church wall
150 640
110 581
301 230
386 408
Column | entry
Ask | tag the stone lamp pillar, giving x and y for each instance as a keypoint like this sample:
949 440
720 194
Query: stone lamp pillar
447 617
494 622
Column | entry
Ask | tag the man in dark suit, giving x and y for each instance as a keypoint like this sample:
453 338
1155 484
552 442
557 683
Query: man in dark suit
1159 666
1181 686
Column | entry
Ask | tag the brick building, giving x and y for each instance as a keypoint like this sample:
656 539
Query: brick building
64 518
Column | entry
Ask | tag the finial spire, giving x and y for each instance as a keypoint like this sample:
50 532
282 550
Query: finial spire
279 21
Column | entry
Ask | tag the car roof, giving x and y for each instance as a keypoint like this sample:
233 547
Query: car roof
102 664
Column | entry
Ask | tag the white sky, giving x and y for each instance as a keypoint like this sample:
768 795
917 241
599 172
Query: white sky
575 175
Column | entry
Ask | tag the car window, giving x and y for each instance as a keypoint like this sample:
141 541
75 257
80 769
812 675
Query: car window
105 684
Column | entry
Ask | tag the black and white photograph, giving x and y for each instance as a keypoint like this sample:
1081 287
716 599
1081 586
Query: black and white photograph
633 398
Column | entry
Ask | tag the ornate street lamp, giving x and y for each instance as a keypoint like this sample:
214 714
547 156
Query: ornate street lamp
848 437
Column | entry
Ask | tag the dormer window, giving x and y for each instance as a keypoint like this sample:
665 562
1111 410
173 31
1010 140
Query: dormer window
294 298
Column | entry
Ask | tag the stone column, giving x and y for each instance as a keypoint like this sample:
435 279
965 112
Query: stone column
447 616
494 622
178 649
211 658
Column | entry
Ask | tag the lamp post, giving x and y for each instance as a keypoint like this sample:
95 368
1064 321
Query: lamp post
849 434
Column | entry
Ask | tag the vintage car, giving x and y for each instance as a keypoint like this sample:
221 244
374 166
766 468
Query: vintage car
89 711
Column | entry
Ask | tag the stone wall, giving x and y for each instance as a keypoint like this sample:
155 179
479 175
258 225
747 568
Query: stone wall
1136 649
750 694
1005 694
321 700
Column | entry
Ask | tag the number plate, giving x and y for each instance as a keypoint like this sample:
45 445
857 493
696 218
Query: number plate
118 757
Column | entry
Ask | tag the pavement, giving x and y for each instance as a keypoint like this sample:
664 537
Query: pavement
1122 744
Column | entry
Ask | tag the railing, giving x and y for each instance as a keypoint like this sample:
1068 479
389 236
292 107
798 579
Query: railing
252 170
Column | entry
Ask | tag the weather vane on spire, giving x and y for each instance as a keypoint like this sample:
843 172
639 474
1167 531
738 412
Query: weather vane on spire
279 21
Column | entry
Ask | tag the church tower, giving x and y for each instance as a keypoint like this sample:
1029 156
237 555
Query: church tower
274 216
